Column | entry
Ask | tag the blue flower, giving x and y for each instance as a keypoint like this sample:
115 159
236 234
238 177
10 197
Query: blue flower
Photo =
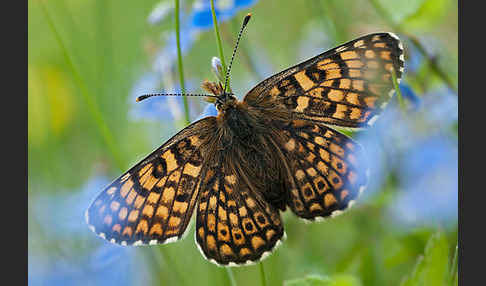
442 106
166 57
408 94
199 19
62 249
61 216
202 16
107 265
420 149
162 78
428 180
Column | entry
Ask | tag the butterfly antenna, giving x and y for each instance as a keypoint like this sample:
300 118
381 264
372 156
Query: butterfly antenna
245 21
145 96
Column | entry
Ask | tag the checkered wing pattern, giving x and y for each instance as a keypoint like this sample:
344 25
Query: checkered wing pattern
326 169
347 86
152 203
234 224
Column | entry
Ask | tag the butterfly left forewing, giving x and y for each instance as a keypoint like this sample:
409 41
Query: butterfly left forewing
152 203
347 86
326 170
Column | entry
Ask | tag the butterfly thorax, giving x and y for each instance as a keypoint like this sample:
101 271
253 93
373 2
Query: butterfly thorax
243 143
237 123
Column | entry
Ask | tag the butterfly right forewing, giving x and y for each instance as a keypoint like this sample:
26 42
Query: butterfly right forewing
347 86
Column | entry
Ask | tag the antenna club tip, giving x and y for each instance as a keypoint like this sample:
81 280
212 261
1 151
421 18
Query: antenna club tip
141 97
247 18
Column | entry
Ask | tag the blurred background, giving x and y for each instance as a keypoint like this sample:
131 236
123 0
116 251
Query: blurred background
90 59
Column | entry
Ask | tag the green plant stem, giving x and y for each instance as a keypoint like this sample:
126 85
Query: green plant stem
179 62
229 272
231 276
432 61
218 41
262 274
87 96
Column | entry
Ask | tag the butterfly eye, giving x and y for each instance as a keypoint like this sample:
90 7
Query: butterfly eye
218 104
228 95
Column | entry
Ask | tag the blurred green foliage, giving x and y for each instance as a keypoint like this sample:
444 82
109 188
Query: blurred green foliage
315 280
81 70
433 267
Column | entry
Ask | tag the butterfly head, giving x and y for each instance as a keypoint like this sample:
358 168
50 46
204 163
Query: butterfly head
222 100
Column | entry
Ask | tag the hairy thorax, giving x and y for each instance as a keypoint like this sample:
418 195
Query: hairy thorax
249 147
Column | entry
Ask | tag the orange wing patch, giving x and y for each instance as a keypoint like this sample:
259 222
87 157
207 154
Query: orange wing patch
346 86
232 227
326 172
153 202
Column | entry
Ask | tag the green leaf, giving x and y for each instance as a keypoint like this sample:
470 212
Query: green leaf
317 280
432 267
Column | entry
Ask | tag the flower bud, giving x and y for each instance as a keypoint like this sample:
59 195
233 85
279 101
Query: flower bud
217 68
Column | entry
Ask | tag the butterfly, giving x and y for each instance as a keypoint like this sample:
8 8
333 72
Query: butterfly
276 149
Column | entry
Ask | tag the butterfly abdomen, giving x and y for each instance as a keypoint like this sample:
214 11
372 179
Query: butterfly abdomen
245 149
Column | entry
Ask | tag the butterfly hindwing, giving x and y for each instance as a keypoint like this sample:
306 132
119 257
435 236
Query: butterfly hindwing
326 169
152 203
233 226
347 86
